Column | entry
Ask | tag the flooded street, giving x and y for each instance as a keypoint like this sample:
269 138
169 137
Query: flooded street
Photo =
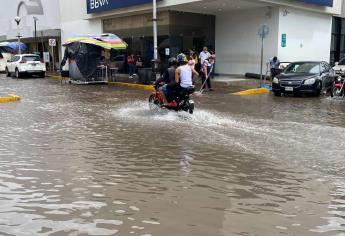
94 160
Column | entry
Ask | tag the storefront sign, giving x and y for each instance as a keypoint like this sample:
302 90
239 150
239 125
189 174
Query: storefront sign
328 3
283 41
95 6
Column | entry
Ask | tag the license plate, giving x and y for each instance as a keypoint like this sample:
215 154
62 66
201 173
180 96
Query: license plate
289 89
33 64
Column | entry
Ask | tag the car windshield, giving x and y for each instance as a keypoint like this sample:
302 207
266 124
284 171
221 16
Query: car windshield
32 58
303 68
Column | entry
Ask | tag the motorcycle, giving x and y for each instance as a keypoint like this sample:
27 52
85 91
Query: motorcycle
338 89
178 100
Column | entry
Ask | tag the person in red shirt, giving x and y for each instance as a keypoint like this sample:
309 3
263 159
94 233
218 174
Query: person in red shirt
131 65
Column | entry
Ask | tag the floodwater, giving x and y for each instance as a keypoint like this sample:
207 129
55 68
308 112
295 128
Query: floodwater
94 160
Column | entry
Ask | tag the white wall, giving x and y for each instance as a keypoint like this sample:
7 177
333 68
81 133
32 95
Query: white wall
50 19
308 35
74 20
238 45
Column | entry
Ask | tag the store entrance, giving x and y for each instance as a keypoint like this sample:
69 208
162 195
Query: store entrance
178 32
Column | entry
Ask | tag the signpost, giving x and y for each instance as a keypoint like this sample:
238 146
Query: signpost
52 44
263 32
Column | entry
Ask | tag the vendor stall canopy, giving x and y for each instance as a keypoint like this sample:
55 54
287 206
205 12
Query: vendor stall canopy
106 41
12 47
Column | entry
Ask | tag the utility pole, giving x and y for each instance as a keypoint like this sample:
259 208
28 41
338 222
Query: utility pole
17 19
35 21
155 62
155 46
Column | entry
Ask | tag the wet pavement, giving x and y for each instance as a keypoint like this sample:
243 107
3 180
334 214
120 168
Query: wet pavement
94 160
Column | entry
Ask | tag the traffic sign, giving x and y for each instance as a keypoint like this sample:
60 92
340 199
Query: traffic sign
52 42
264 30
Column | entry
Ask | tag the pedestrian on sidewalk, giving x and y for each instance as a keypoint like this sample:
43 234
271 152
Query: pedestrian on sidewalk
204 55
193 56
131 65
212 62
273 65
206 71
139 61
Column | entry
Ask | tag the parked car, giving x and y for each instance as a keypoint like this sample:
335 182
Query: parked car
339 67
29 64
4 57
304 78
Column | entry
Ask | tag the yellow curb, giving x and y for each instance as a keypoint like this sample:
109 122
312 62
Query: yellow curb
252 92
56 77
135 86
9 98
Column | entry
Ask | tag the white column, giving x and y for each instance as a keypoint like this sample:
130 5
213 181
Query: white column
155 47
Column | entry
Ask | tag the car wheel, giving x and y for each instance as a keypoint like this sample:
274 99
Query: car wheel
17 73
277 94
42 75
8 74
318 90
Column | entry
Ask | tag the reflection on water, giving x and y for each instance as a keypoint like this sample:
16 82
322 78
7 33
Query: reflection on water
90 160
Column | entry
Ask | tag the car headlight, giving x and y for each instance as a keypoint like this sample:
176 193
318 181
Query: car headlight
275 80
309 81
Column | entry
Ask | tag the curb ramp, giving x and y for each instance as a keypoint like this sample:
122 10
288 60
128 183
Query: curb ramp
9 98
249 92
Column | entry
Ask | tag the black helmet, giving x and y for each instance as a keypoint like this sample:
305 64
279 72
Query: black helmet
172 61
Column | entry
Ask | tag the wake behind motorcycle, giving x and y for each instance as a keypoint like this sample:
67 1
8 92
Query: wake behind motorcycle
178 100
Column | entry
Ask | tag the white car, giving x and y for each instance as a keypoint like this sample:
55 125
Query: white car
4 57
29 64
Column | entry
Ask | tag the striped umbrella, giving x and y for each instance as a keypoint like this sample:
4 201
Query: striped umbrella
107 41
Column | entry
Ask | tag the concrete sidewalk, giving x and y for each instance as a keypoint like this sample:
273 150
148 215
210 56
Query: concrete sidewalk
221 84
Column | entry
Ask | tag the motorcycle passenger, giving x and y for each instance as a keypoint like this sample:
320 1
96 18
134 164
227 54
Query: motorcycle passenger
168 78
184 73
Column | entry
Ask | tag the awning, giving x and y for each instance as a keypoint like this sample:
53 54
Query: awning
107 41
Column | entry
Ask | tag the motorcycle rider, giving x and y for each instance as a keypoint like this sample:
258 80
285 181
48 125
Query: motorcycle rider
168 78
184 73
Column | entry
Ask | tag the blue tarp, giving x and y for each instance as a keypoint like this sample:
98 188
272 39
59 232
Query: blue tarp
12 47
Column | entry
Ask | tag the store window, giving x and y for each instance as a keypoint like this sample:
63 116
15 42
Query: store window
177 32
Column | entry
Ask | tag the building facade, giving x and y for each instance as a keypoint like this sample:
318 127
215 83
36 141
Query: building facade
299 29
44 14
